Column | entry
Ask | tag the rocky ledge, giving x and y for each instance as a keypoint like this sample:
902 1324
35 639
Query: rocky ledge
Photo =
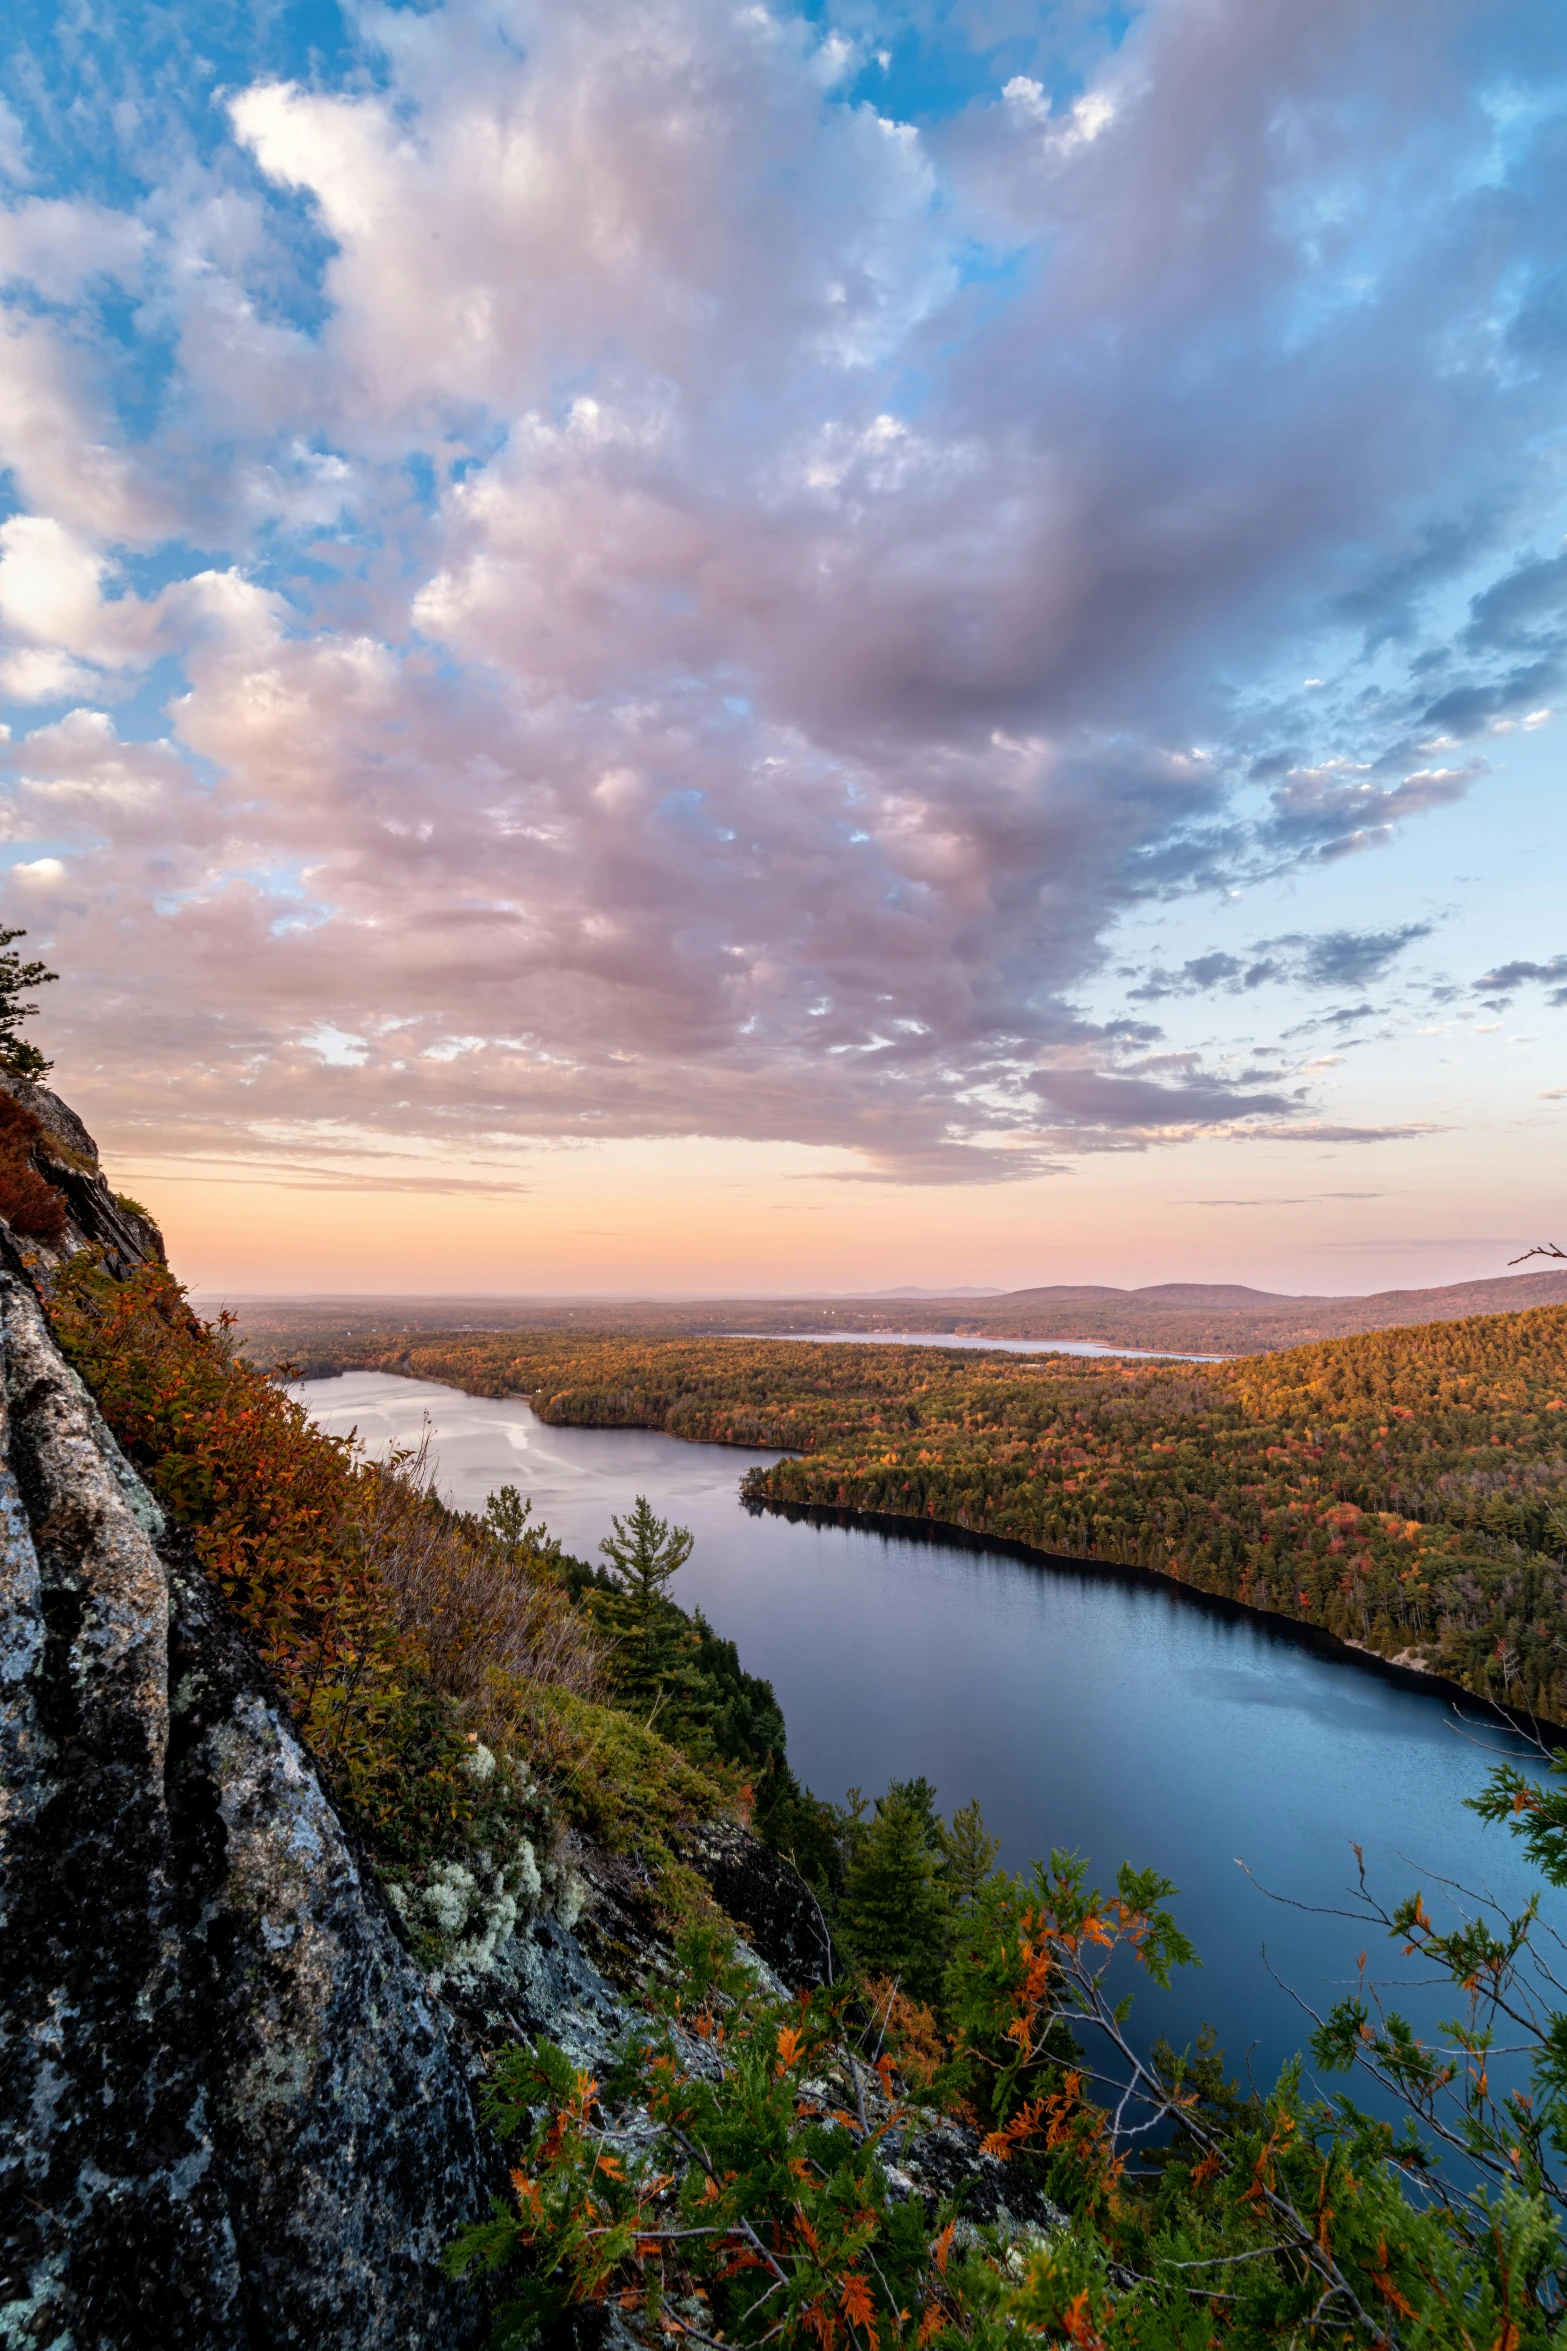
233 2112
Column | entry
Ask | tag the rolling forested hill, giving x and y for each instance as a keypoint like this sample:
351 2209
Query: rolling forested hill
1179 1318
1402 1489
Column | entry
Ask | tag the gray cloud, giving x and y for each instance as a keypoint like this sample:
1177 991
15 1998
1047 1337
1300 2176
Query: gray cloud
1276 1200
1349 959
1328 1131
1091 1098
1343 1016
1327 959
719 600
1515 975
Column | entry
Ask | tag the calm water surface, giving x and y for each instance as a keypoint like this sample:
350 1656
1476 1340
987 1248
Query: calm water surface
971 1339
1084 1707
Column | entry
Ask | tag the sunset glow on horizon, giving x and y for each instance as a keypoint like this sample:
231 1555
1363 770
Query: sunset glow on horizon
688 649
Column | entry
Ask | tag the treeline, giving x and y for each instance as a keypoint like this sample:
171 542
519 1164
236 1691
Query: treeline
1403 1489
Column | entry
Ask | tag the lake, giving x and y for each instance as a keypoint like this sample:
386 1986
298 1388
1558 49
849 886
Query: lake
1085 1707
970 1339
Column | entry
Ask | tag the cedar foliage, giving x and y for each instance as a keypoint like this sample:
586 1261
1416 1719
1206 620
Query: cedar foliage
733 2178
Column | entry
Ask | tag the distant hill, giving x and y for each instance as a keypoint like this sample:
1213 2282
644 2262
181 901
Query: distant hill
1192 1318
1228 1318
964 1290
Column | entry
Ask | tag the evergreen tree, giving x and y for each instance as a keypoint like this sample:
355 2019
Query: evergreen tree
17 1058
745 1721
509 1518
895 1916
970 1854
808 1830
645 1553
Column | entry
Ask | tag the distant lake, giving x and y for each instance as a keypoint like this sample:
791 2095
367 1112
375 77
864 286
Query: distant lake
1084 1706
971 1339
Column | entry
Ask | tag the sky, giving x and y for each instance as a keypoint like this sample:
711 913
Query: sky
693 647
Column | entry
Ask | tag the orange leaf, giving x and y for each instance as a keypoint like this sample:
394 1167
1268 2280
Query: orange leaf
1078 2323
857 2303
1011 2135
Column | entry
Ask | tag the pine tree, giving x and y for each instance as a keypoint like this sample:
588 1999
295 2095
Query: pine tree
645 1553
509 1518
895 1917
970 1854
17 1058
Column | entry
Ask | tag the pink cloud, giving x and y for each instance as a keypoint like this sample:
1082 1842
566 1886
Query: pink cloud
676 651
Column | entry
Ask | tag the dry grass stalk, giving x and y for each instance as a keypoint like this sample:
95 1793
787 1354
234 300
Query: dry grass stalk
477 1607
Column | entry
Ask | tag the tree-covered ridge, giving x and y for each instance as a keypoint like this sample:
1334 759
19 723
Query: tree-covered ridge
1399 1489
737 2177
1181 1318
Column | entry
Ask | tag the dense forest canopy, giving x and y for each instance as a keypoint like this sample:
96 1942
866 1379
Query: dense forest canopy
1401 1489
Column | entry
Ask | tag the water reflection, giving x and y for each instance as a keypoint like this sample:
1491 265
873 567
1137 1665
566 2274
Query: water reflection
963 1339
1085 1707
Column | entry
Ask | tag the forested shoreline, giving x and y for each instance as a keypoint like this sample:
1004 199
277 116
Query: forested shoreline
1400 1489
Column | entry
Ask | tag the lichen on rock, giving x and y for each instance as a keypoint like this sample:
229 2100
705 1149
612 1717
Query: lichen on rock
232 2113
239 2054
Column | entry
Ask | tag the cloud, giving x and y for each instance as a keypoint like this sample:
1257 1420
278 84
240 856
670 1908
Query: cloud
1507 976
656 597
1329 1131
52 600
1094 1099
1343 1016
1339 808
949 1163
1349 959
1328 959
13 146
281 1175
1518 628
42 673
1275 1200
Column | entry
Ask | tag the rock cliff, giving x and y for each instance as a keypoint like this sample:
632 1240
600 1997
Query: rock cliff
233 2112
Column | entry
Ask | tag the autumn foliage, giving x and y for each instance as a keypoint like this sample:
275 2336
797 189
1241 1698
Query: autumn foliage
735 2178
394 1631
1399 1489
32 1205
724 2183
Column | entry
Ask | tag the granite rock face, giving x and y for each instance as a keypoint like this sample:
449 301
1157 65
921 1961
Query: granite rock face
779 1914
231 2113
234 2114
67 1155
